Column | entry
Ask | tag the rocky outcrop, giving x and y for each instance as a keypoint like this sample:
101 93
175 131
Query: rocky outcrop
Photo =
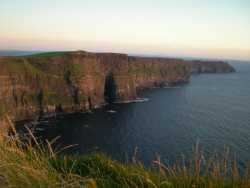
64 82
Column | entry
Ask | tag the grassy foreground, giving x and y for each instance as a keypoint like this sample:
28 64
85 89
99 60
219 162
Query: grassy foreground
23 166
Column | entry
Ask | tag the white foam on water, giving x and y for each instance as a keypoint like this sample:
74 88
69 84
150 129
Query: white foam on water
112 111
138 100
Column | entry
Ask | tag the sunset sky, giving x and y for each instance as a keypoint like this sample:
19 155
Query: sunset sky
195 28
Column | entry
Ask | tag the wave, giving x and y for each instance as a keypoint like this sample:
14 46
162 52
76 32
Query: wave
112 111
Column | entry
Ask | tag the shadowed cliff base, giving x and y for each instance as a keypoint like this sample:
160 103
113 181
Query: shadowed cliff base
110 89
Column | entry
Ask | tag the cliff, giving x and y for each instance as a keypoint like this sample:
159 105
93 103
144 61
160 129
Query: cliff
42 84
210 67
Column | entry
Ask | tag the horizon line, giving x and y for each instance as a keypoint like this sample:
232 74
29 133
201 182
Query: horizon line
159 55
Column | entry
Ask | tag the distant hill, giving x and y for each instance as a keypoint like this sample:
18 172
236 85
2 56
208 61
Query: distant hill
17 52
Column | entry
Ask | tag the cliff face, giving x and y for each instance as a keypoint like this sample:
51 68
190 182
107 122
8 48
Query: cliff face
50 83
210 67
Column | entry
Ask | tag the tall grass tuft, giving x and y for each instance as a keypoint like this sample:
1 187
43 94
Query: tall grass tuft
23 165
30 164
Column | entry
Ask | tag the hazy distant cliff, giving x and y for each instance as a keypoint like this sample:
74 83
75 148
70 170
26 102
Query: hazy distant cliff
210 67
56 82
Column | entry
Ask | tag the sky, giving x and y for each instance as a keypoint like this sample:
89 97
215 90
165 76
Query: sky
192 28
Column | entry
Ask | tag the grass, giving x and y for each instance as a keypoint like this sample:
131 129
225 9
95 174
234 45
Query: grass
50 54
30 164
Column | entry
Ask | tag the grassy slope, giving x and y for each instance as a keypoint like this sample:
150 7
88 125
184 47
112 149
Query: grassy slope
51 54
23 166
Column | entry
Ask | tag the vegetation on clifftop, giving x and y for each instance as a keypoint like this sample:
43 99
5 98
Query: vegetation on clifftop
50 54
